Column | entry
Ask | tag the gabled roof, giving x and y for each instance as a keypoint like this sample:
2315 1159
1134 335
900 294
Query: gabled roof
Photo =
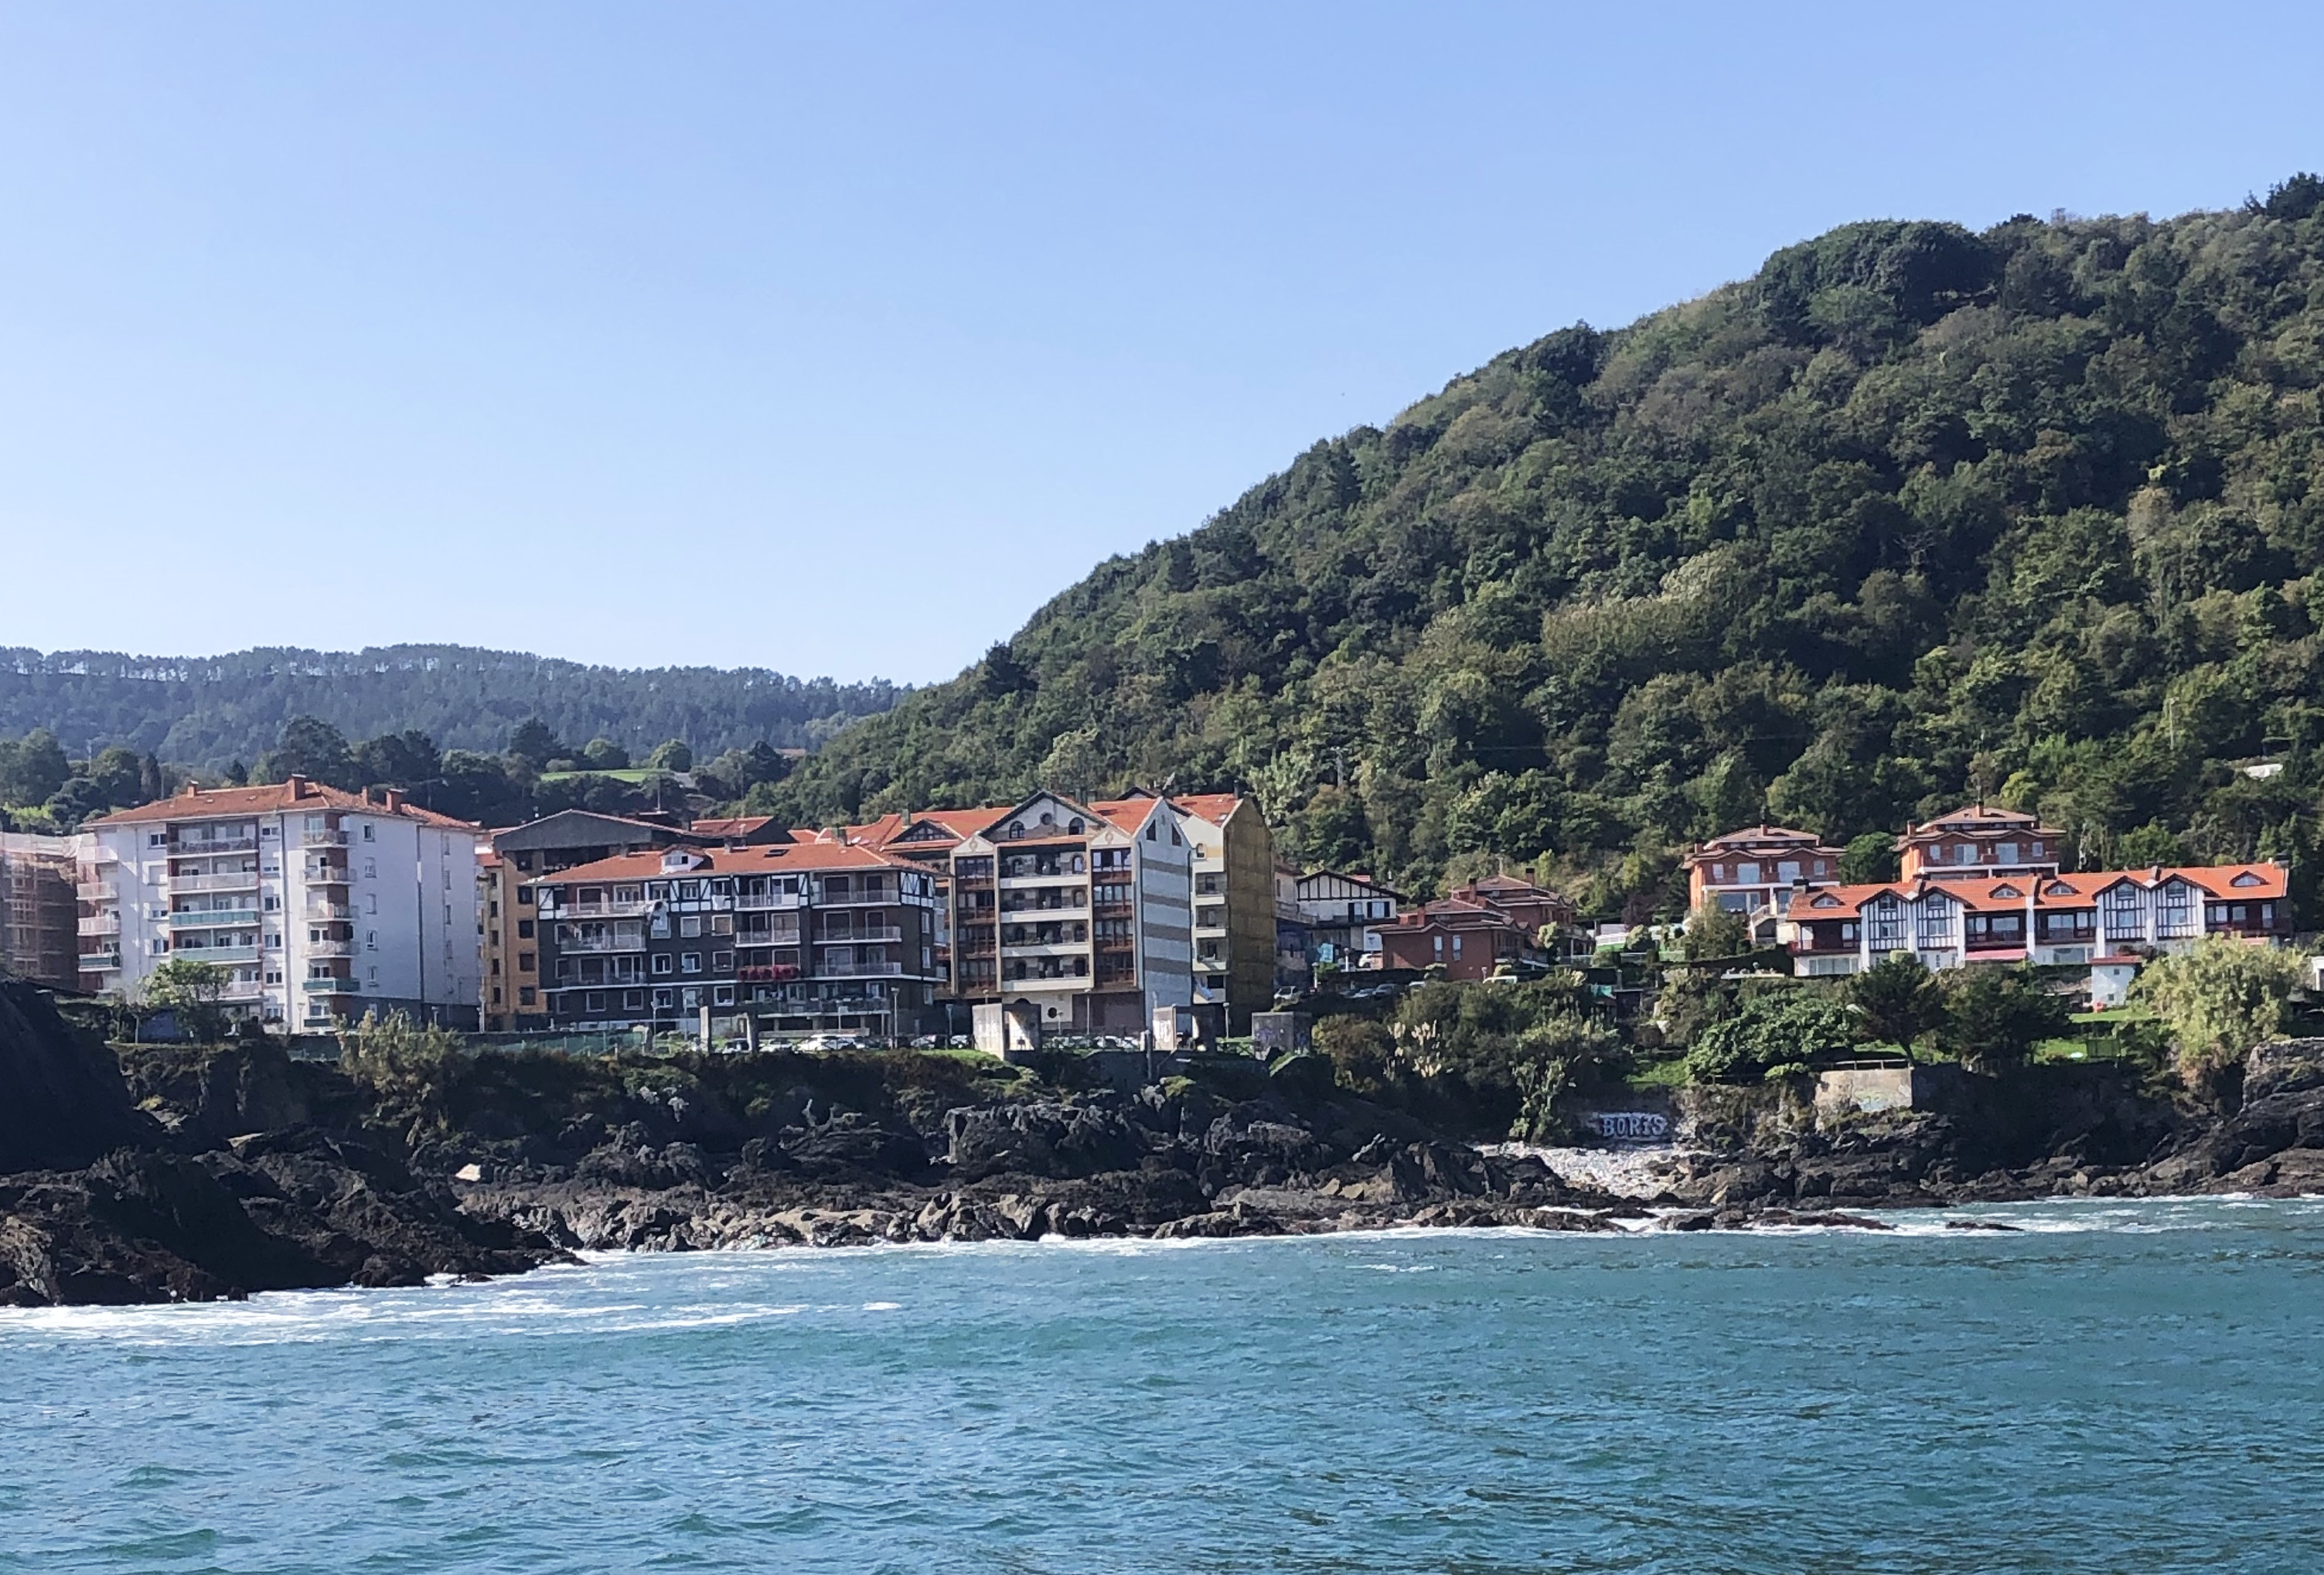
1750 838
296 794
769 859
589 827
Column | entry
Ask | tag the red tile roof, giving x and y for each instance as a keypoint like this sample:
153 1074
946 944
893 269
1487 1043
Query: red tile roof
771 859
273 798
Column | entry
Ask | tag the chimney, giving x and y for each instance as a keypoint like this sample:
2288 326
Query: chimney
297 784
394 798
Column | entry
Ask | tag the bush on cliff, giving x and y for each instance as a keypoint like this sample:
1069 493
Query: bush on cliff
1994 1017
1896 1001
1785 1028
2217 1001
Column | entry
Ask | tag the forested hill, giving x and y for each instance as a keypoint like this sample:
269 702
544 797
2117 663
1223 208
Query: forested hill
1915 512
210 711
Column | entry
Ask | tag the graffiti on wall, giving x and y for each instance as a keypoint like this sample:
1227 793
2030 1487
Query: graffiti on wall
1629 1126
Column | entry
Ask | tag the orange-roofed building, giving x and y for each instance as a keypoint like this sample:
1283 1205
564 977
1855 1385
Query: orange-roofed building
2110 921
316 904
1236 928
1754 870
1977 843
818 936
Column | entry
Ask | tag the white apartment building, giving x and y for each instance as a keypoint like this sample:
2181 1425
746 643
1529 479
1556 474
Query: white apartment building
319 905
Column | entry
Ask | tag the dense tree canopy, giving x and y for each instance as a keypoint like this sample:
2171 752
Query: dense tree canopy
204 713
1913 514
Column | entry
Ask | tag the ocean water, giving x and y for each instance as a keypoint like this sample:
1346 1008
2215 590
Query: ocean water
2119 1388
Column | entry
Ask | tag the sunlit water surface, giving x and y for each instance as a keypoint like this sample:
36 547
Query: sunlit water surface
2118 1387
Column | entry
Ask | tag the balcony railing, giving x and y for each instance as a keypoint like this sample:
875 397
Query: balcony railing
190 847
99 962
244 990
589 910
604 944
322 839
1055 902
93 892
329 986
219 956
330 948
212 918
235 881
103 924
860 971
329 910
860 937
859 899
767 899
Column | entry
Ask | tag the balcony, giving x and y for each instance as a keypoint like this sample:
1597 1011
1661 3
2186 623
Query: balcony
327 874
94 890
219 956
329 910
1074 901
882 898
594 910
330 986
232 880
103 924
860 937
860 971
330 948
99 962
767 900
212 918
322 839
244 990
603 944
194 848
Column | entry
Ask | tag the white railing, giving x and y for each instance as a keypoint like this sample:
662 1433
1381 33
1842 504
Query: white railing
330 948
238 880
194 847
589 910
327 874
860 971
99 962
604 944
219 956
329 910
93 892
768 899
860 938
322 839
105 925
212 918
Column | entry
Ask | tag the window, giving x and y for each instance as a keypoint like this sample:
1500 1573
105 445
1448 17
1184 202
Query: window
595 1001
370 940
367 836
689 999
371 869
524 929
272 902
634 1000
722 962
526 995
665 1001
1153 832
524 896
524 963
662 963
721 995
273 941
1456 946
689 962
2007 854
689 925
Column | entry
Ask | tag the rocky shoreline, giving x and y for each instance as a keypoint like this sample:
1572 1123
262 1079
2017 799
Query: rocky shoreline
201 1173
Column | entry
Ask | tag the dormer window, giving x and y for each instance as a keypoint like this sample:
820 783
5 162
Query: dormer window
1075 825
2246 879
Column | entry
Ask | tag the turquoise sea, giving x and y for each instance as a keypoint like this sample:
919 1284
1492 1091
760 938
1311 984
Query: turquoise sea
2117 1387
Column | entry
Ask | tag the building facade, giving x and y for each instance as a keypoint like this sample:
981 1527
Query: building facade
514 989
1083 914
1234 900
40 928
1754 870
1346 914
1977 843
1475 931
823 936
317 904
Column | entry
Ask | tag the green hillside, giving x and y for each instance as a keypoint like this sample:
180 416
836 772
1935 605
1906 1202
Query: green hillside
1913 513
207 712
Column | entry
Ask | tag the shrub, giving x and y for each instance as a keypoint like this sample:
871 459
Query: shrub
1994 1017
1780 1028
2219 1000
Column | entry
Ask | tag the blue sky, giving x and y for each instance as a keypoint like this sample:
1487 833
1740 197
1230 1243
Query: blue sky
836 339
